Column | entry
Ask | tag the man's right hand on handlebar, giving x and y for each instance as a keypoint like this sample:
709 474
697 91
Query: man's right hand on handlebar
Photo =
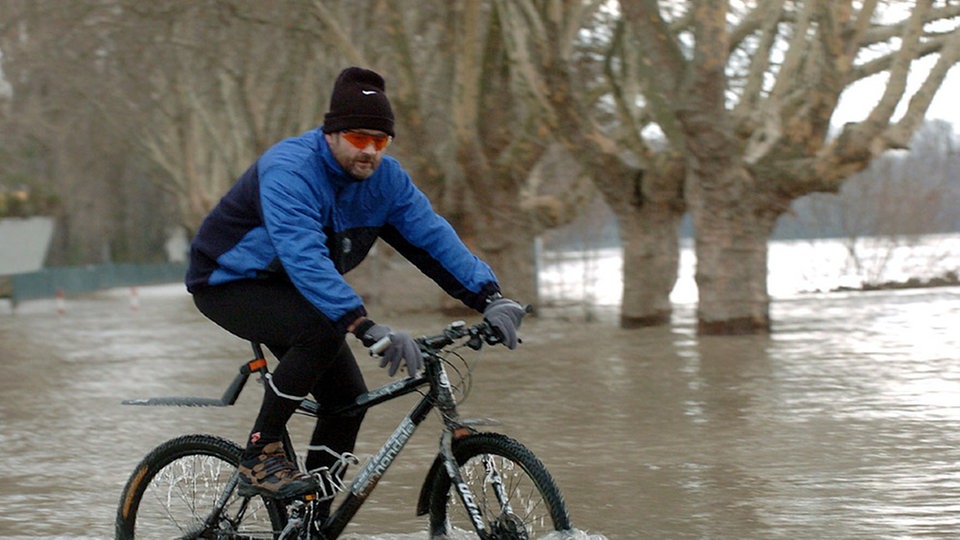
505 315
394 347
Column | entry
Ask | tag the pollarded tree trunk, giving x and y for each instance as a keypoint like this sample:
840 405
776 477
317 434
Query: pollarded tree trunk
649 217
651 253
723 198
733 218
752 107
731 274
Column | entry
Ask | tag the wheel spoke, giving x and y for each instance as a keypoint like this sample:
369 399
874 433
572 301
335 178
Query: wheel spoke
186 489
513 491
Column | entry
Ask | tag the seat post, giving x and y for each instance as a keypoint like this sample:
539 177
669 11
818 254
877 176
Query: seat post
257 350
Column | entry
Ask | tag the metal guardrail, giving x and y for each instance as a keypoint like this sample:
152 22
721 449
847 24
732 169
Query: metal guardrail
82 279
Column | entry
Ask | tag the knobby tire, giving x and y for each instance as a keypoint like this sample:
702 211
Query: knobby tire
173 491
537 505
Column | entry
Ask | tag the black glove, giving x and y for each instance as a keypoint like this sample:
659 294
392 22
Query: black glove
394 348
505 315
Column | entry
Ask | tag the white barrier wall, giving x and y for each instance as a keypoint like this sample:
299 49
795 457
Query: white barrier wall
24 243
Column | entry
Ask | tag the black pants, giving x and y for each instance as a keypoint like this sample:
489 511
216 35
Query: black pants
314 357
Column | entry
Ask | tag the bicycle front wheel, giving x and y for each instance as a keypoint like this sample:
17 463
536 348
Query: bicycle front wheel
515 494
186 488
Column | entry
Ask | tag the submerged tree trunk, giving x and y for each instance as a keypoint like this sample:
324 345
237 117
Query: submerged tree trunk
731 274
651 254
733 217
649 218
722 196
747 96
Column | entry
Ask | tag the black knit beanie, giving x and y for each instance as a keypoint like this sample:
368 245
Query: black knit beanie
359 101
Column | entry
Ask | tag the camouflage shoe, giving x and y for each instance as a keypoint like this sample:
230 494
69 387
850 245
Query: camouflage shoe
271 474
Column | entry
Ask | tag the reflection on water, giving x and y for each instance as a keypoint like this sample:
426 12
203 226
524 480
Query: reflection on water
843 423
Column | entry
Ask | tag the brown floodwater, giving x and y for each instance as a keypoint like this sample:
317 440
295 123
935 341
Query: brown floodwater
844 423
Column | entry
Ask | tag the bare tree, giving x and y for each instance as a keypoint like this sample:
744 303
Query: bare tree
207 90
202 88
742 94
467 125
573 59
750 88
54 137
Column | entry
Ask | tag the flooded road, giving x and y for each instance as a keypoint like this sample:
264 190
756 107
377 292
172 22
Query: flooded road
845 423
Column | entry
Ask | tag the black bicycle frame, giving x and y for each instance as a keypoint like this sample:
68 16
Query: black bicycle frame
440 396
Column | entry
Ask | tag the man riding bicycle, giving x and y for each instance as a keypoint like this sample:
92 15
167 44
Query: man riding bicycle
267 265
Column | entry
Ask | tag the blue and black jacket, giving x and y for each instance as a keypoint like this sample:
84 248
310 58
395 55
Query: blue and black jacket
297 215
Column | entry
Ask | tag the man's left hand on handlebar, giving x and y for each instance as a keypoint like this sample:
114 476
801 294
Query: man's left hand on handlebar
395 347
505 315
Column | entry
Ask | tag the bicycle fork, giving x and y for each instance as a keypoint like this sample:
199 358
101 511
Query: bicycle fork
456 479
491 477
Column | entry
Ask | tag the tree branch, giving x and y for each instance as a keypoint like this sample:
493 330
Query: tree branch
899 69
899 134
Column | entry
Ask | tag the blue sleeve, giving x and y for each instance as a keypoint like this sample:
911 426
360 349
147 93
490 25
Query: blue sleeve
430 242
293 213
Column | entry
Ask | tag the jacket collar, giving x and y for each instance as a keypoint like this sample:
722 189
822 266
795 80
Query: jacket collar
334 172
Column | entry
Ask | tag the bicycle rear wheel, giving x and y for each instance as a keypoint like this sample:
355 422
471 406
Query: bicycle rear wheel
174 493
515 493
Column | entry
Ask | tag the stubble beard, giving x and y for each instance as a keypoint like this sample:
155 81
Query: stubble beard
362 168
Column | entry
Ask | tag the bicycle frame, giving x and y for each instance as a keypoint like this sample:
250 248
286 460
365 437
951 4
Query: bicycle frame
439 396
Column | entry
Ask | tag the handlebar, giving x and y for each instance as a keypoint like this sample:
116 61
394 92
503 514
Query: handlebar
478 334
457 330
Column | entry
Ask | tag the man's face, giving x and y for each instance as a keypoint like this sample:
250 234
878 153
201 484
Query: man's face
358 151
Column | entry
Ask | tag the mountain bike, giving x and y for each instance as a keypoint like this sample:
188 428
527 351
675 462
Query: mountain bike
480 481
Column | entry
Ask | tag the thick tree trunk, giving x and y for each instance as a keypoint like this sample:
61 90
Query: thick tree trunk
651 253
649 208
733 225
505 241
729 208
731 274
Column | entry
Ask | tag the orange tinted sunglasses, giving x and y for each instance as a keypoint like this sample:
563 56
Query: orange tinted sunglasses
362 140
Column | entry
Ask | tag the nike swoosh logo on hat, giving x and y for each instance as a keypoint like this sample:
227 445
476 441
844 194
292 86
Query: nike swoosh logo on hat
368 92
